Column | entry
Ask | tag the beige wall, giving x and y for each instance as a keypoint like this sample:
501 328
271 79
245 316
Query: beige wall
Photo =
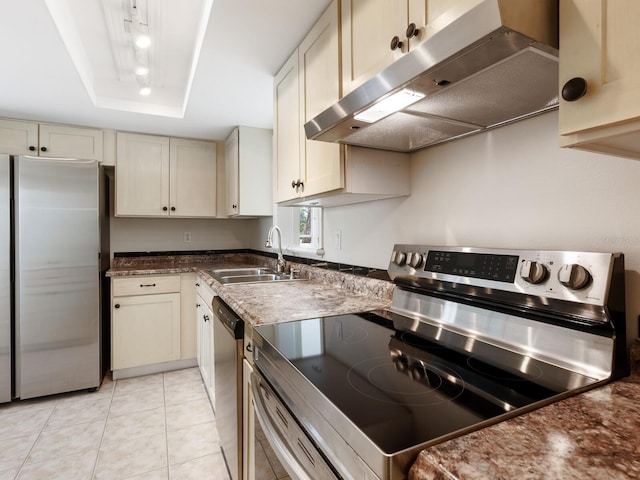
510 188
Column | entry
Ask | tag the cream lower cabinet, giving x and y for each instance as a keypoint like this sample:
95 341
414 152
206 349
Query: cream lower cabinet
152 324
29 138
165 177
204 322
599 42
146 330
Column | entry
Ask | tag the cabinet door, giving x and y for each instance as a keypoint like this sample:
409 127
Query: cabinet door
63 141
188 341
18 138
286 130
319 80
142 175
192 173
145 330
232 166
599 42
367 29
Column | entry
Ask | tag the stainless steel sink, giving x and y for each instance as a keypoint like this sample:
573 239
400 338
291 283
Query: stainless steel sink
250 275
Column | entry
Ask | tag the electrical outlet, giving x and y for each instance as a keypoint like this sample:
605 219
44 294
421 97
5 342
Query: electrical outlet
186 238
337 240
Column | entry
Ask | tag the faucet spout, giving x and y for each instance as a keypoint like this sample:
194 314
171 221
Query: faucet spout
280 265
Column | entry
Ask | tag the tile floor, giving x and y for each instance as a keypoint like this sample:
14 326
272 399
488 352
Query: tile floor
156 427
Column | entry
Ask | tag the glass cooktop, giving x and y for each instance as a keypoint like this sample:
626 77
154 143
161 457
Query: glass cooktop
401 389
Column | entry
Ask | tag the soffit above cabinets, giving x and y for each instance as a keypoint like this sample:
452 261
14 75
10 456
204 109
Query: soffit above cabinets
99 36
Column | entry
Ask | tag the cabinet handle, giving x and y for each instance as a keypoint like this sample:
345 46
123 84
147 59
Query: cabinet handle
147 285
412 31
574 89
32 148
117 305
249 347
164 209
395 43
44 149
173 209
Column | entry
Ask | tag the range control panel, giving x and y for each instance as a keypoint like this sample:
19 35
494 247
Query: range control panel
573 276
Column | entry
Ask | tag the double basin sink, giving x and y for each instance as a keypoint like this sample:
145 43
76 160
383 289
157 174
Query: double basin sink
250 275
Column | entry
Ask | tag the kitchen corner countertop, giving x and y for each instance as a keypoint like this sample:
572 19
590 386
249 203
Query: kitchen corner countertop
321 293
592 435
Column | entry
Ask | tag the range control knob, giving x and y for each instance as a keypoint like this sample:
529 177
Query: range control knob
533 272
415 260
574 276
399 258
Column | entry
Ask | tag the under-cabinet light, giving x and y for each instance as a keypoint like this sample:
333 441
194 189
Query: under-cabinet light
389 105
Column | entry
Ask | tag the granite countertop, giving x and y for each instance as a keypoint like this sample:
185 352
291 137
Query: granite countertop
594 435
321 293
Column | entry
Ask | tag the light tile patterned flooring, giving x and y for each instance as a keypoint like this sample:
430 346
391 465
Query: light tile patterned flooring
157 427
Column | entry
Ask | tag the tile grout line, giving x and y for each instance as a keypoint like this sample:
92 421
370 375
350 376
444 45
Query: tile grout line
104 428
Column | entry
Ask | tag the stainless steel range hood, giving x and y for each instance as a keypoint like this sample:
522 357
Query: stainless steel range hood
495 64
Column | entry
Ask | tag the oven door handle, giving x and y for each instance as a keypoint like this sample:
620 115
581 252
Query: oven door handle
280 446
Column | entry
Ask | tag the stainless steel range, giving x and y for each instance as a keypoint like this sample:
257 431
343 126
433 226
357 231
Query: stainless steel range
473 337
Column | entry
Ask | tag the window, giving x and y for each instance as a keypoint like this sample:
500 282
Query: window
302 230
309 228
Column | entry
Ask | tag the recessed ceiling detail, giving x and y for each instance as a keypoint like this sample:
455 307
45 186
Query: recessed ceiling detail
100 36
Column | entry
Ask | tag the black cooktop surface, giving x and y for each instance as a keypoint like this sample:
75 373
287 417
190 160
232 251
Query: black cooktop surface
401 389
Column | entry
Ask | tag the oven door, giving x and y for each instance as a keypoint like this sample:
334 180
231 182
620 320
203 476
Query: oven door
298 455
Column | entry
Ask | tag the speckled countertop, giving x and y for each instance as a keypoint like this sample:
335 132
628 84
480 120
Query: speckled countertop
323 292
594 435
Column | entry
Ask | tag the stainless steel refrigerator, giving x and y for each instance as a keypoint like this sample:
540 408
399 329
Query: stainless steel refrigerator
49 276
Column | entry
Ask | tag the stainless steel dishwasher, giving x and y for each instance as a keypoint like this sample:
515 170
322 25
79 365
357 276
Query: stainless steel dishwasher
228 332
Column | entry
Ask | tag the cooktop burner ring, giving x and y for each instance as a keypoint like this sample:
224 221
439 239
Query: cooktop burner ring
425 385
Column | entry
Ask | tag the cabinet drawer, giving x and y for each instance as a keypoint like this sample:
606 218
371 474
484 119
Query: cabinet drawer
145 285
205 292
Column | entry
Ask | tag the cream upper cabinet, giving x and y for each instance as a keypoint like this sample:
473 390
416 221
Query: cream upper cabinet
161 177
29 138
308 83
599 43
375 33
368 27
248 167
286 131
192 178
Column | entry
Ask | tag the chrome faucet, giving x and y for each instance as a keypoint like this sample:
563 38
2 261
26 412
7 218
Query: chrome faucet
280 265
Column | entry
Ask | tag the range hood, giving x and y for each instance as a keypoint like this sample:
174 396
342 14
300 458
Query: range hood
494 64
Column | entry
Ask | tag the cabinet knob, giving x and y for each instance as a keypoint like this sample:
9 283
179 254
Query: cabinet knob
574 89
412 31
294 184
44 149
117 305
164 209
197 284
173 209
234 206
396 43
206 318
197 305
32 148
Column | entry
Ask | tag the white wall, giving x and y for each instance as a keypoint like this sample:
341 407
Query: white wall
167 234
509 188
